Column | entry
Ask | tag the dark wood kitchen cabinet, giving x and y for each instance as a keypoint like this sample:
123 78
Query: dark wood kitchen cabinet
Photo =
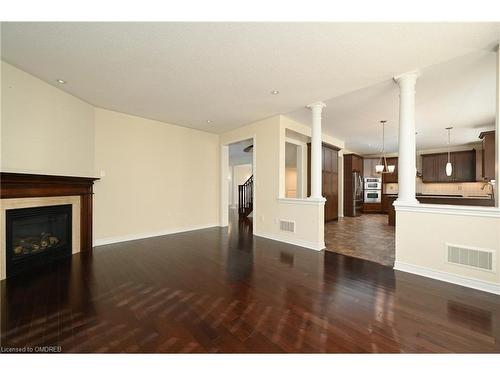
442 160
329 179
429 168
356 163
386 202
464 166
488 153
374 208
463 162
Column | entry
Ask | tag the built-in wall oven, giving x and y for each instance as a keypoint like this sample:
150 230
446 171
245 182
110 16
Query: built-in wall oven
373 183
372 190
373 196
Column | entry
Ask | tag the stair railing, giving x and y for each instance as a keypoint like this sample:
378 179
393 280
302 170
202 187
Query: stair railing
245 197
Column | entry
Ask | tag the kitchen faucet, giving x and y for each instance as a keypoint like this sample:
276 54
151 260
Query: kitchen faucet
492 184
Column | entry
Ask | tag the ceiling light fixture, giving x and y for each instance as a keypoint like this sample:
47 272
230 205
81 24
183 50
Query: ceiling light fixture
382 166
275 92
61 81
449 167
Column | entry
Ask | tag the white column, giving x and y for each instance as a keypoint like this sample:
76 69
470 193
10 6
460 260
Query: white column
407 168
316 150
497 135
224 186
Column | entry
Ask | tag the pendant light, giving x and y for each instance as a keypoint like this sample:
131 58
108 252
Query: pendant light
382 166
449 167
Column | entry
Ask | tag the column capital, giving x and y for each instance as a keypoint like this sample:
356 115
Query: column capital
320 105
409 78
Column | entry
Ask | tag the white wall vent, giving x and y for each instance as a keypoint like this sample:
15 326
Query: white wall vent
287 226
476 258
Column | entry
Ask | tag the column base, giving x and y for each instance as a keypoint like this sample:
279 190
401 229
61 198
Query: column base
317 199
406 202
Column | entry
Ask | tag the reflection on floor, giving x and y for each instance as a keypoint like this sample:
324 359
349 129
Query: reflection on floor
367 237
224 290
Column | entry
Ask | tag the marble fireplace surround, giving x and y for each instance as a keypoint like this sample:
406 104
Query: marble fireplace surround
19 190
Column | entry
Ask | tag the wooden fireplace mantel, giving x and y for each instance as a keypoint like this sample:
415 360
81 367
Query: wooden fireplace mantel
22 185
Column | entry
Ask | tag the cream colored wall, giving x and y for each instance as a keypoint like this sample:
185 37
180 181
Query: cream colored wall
269 173
422 232
159 178
266 152
421 238
291 182
299 167
43 129
287 123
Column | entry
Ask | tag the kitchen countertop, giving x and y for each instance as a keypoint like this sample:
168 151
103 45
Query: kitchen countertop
488 197
454 200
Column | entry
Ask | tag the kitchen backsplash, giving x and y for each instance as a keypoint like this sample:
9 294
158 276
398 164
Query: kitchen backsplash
464 188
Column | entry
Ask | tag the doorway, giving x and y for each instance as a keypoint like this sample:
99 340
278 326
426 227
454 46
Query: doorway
237 200
364 231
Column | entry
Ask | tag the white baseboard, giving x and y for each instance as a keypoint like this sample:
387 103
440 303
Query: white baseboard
293 241
448 277
139 236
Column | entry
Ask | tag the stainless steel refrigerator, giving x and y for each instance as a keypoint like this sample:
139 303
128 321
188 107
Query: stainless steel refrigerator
357 193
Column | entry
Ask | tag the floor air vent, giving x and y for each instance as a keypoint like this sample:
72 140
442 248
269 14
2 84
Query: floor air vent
287 226
481 259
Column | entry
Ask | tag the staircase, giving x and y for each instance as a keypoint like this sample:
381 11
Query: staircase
245 198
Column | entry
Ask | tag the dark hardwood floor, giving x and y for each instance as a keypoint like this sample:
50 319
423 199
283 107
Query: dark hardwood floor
222 290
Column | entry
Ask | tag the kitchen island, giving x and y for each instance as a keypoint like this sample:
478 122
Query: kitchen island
458 200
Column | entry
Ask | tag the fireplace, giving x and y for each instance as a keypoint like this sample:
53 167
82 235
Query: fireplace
36 236
22 191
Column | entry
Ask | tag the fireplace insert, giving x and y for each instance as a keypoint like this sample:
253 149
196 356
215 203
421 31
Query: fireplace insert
36 236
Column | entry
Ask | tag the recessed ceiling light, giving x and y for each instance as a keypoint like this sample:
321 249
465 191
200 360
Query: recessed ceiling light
62 81
275 92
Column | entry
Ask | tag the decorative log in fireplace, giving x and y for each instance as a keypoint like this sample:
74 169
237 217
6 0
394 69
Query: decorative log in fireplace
21 185
37 235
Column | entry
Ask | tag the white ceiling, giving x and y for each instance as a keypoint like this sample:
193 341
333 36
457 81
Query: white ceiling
187 73
459 93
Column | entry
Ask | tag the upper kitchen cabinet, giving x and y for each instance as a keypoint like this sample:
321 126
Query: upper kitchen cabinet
463 162
488 154
429 168
388 178
356 163
442 160
464 166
